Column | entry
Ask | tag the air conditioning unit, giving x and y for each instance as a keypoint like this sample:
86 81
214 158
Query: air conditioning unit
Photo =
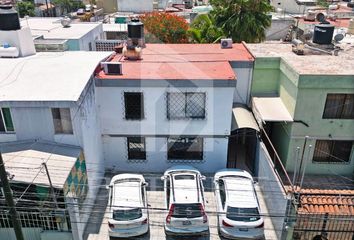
112 68
226 43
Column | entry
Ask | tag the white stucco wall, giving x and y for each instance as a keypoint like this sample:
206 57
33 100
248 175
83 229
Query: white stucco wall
90 37
116 155
111 112
156 127
243 85
135 5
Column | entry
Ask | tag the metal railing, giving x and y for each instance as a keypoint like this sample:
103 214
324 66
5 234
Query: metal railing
278 165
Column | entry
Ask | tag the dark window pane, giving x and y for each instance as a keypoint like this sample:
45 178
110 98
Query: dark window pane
136 148
195 107
176 104
332 151
8 119
62 120
185 105
341 151
134 106
339 106
2 124
185 148
348 108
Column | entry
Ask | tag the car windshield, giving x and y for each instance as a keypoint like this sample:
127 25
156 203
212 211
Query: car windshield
127 214
242 214
187 211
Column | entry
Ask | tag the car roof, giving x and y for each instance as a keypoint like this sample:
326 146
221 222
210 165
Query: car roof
240 192
126 191
179 168
186 190
232 172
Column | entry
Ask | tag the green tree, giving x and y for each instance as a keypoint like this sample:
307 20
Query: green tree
203 30
242 20
67 6
25 8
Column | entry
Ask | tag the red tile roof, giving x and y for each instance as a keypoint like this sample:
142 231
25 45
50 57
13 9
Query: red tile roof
182 61
339 202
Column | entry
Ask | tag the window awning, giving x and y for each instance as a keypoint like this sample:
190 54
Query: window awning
243 118
270 109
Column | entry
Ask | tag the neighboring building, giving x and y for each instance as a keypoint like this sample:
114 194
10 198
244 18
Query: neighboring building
294 6
280 26
135 6
44 216
49 31
115 31
174 106
50 97
312 95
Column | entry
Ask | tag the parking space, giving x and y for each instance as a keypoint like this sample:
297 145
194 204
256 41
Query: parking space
97 228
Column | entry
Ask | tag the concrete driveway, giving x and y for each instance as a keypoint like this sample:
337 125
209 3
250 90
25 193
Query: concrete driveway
97 228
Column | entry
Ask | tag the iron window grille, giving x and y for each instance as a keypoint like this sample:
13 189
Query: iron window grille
339 106
136 148
185 148
329 151
6 124
62 121
134 105
189 105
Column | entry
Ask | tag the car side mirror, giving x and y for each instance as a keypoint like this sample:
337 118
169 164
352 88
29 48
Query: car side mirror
163 178
108 187
146 184
203 177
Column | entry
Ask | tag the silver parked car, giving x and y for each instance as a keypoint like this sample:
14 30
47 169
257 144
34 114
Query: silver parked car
128 206
237 205
184 198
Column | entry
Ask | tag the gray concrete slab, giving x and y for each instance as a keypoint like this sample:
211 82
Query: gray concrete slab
97 228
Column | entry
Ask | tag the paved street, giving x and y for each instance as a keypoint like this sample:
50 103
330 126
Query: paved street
98 227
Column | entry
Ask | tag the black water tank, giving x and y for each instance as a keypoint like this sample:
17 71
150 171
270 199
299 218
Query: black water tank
135 29
323 33
9 19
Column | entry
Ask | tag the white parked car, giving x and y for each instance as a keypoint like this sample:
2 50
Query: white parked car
129 216
184 198
237 205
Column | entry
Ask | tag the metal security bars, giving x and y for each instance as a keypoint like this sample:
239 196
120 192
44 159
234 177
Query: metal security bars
136 148
106 45
42 220
185 149
134 105
189 105
339 106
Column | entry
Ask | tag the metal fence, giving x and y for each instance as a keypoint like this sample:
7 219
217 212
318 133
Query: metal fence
42 220
106 45
324 226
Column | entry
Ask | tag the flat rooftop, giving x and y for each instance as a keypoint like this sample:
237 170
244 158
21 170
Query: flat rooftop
51 28
47 76
181 62
312 63
24 161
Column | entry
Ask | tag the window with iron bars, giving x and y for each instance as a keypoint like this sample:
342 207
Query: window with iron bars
185 148
134 105
188 105
136 148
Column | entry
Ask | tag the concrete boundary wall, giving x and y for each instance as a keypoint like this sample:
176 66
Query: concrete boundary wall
274 195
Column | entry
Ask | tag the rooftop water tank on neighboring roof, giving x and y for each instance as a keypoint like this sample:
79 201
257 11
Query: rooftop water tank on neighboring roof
323 33
135 29
9 19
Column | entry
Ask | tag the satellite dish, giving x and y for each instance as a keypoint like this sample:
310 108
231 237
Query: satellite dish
65 22
321 17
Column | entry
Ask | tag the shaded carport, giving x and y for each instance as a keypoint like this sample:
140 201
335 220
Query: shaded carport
243 139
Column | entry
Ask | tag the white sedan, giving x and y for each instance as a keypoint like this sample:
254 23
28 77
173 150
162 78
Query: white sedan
128 214
237 205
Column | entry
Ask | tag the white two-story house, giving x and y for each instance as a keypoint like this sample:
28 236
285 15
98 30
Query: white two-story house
173 106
